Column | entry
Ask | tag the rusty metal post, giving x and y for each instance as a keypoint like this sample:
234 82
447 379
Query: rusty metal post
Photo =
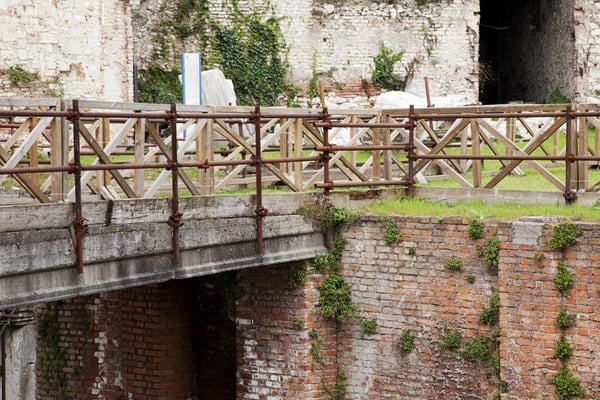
80 222
569 195
325 156
261 212
175 220
410 188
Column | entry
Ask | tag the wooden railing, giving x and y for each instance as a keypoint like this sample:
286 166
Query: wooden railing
56 150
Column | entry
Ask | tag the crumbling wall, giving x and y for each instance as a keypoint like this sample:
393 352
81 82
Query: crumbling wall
75 49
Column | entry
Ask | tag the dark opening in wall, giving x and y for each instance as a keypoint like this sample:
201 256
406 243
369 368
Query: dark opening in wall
526 50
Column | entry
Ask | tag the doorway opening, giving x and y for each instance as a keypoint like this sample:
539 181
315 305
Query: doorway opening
526 50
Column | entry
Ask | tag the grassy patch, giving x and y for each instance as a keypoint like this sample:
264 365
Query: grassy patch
478 208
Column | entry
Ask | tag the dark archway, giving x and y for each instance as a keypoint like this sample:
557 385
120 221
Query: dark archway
526 51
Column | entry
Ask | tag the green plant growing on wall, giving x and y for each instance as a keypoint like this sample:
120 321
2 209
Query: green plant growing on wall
565 319
476 229
337 391
470 278
563 280
325 215
406 342
159 86
563 350
298 323
53 358
412 251
391 232
453 264
368 327
490 316
316 346
332 260
297 277
451 341
382 73
565 235
19 76
313 84
335 299
250 52
490 252
567 386
479 349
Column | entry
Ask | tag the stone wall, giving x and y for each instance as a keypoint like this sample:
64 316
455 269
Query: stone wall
78 49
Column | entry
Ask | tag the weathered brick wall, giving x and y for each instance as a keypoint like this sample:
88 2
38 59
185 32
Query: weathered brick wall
405 286
274 355
531 302
139 343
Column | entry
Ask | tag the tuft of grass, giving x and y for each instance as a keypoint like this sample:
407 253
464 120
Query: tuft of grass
479 208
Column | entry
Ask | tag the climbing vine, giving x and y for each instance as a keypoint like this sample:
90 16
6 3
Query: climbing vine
53 358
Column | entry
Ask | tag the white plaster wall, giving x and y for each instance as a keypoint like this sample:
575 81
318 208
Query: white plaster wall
587 38
81 49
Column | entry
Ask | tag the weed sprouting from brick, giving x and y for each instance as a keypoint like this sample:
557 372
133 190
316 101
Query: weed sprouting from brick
297 277
567 386
335 299
332 260
490 252
368 326
475 229
391 232
406 342
453 264
563 350
490 316
565 235
451 341
563 280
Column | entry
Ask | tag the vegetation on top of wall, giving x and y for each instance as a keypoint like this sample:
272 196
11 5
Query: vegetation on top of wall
565 235
325 214
475 229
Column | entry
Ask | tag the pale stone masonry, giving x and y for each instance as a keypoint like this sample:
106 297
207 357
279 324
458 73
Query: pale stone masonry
87 49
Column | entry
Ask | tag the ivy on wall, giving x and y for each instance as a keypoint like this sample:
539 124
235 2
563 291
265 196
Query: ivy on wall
249 48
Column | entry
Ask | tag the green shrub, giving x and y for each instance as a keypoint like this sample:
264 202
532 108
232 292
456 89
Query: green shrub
406 341
383 71
453 264
490 316
335 300
565 235
390 231
451 341
564 319
566 386
490 252
563 280
563 350
475 229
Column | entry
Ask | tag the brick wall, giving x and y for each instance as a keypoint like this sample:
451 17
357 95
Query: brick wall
274 356
178 338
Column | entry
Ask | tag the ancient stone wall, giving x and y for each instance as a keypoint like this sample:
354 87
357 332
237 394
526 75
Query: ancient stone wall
75 49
